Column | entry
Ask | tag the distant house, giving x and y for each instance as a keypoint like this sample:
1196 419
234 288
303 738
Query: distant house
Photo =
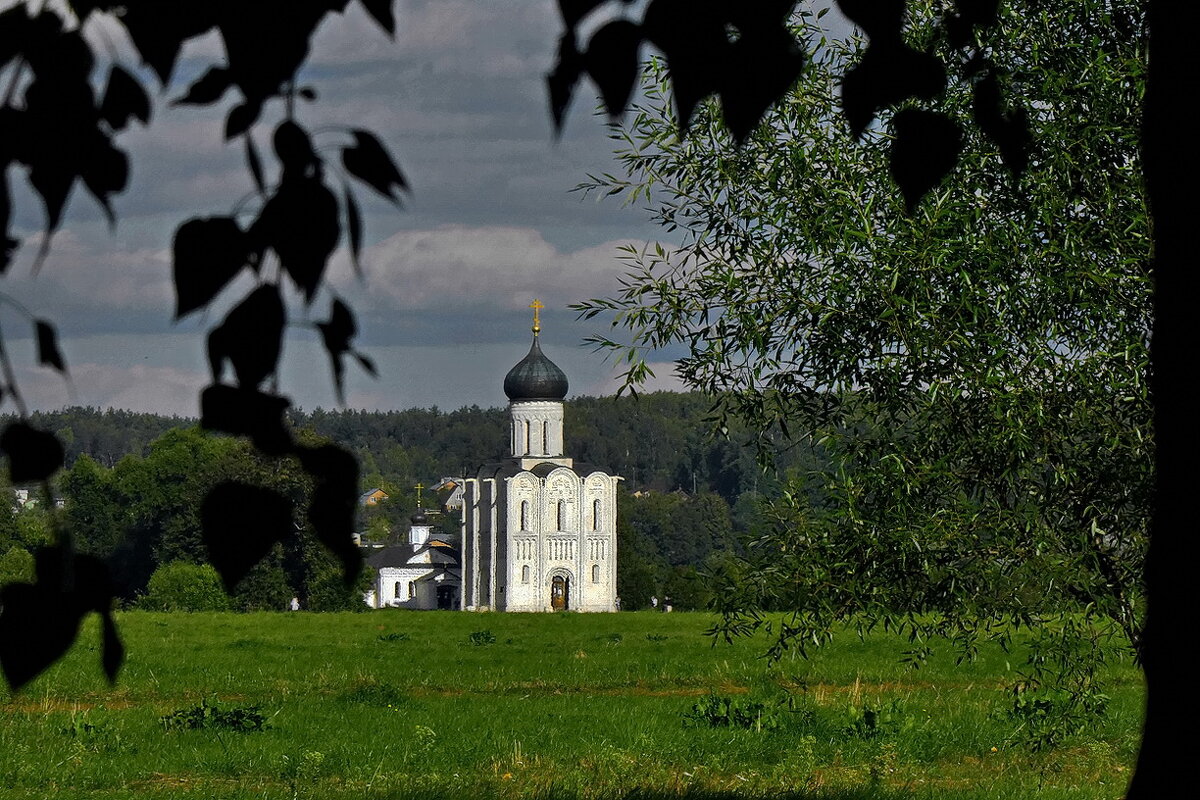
454 501
372 498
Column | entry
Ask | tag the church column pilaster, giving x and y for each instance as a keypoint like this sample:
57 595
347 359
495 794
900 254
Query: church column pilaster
492 569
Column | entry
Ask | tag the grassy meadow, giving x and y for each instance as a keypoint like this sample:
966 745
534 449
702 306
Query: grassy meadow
395 704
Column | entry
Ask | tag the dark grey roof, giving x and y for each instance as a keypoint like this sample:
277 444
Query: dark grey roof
399 555
535 377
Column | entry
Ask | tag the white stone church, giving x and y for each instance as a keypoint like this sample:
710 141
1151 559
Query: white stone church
538 529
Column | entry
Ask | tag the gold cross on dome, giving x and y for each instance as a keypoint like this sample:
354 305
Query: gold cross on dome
537 306
419 487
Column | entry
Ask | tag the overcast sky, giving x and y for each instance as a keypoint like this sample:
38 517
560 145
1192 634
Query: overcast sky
459 99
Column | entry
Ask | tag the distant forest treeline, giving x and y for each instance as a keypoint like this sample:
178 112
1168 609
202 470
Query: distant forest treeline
688 498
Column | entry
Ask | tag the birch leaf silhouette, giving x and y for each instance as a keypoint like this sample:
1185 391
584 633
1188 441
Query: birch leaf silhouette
206 254
250 338
124 99
331 509
240 524
368 160
33 454
249 413
48 352
40 620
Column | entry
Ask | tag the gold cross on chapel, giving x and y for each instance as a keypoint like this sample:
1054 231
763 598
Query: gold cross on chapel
419 487
537 306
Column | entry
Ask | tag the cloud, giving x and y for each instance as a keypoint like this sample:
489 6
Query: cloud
499 266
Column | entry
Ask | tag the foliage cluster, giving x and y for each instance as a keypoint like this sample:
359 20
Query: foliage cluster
973 372
61 122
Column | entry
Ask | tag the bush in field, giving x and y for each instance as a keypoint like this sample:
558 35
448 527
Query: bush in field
181 586
16 566
206 715
265 587
328 592
719 711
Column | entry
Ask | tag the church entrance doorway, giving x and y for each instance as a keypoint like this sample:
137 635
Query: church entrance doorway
446 596
560 589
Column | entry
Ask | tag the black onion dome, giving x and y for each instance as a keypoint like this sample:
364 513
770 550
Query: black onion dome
535 377
419 518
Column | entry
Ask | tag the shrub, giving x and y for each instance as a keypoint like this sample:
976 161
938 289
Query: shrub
16 566
718 711
480 638
243 719
180 586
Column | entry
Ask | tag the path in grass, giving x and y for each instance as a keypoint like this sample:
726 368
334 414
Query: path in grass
404 704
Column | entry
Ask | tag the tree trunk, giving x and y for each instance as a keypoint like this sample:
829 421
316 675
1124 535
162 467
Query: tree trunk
1169 160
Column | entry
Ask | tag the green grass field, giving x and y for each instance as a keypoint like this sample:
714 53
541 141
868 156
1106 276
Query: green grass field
407 704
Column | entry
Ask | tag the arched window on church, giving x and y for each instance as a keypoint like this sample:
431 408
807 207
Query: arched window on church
562 515
397 595
595 573
528 450
595 515
545 437
524 515
412 589
525 574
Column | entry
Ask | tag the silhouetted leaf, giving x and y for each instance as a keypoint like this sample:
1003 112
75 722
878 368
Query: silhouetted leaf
924 151
971 13
336 334
47 346
332 507
307 93
612 61
33 455
888 74
762 65
301 224
158 30
353 228
207 254
39 621
293 147
241 118
1008 131
52 180
367 364
255 163
560 82
381 10
368 160
105 172
247 412
878 18
112 650
251 338
14 27
240 524
33 635
7 243
692 36
124 99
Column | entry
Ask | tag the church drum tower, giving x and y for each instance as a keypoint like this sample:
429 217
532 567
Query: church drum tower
538 529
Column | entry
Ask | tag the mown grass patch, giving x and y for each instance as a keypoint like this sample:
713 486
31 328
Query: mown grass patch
403 704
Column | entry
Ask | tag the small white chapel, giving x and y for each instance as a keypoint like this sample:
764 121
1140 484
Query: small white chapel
422 573
539 529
